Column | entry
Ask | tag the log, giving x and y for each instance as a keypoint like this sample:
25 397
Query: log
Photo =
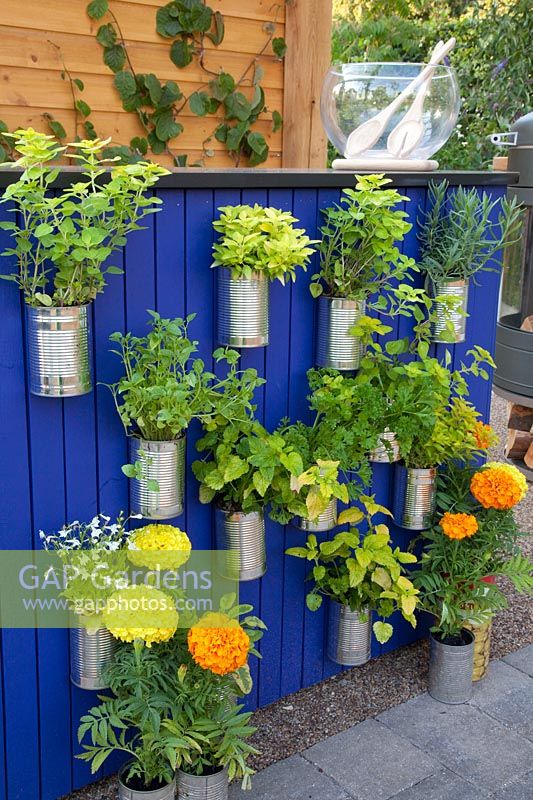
527 324
528 458
518 443
520 417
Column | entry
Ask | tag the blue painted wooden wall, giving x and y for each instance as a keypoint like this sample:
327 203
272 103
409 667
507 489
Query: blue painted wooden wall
61 461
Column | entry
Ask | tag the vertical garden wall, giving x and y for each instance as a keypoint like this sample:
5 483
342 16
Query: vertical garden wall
61 459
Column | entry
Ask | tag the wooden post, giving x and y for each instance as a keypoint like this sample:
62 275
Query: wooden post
308 36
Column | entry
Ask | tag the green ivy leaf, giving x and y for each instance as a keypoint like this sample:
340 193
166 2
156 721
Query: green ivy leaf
237 107
140 144
115 57
125 84
167 24
97 8
3 154
153 87
3 127
90 131
235 136
181 53
277 121
258 101
170 94
79 83
257 144
217 35
279 46
156 145
199 103
83 108
221 132
181 160
106 35
222 86
56 127
165 126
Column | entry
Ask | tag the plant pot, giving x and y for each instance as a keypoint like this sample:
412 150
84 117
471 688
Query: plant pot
167 792
349 639
325 521
244 536
203 787
163 462
458 289
414 497
59 343
481 635
450 670
336 348
90 653
242 309
383 455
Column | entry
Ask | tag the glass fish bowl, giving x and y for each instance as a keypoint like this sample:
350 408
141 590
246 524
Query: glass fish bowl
355 93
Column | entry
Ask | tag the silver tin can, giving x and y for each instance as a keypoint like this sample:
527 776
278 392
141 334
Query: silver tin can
414 497
203 787
450 670
457 289
242 309
349 638
163 462
383 454
167 792
325 521
243 535
59 346
336 348
90 653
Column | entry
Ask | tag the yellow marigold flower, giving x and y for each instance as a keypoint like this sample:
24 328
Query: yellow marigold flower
484 435
159 547
141 612
458 526
218 643
498 485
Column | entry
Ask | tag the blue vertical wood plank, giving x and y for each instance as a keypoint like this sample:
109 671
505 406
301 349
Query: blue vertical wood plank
170 254
276 407
3 766
19 651
198 519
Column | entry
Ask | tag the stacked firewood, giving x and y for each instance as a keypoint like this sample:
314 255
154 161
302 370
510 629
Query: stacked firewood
519 446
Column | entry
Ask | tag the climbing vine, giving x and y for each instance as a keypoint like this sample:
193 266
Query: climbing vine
158 106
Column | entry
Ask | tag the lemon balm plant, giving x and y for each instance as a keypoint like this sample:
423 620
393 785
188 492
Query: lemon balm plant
360 574
257 245
61 245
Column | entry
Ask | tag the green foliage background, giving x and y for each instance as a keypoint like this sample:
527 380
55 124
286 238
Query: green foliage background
493 58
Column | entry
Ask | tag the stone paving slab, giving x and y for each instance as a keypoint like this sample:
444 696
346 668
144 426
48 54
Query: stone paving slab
501 679
463 739
515 710
291 779
522 659
520 790
443 785
370 761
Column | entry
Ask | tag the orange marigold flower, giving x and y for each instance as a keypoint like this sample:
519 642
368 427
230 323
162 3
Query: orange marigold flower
484 435
218 643
458 526
499 486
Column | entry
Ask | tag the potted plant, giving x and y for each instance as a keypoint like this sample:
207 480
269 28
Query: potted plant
360 575
487 495
460 237
358 259
60 246
236 474
80 546
257 245
163 388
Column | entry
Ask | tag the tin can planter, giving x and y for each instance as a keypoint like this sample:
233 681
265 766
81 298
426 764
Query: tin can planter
481 634
242 309
203 787
59 343
456 289
325 521
450 670
349 638
414 497
243 535
90 653
167 792
163 462
388 451
336 348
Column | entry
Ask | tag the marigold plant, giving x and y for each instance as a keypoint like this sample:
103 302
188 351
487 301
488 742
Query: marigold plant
141 612
459 526
159 547
218 643
499 486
